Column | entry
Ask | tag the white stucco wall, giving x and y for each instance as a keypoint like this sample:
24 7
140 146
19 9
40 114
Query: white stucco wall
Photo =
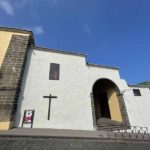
72 108
138 107
96 73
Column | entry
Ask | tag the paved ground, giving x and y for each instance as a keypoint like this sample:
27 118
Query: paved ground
28 132
52 139
54 133
68 144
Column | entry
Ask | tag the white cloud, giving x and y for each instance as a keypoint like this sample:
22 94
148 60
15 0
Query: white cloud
7 7
38 30
87 29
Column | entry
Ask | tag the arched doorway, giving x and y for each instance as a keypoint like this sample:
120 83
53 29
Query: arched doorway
107 103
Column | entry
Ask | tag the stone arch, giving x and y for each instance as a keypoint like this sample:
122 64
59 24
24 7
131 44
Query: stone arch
108 106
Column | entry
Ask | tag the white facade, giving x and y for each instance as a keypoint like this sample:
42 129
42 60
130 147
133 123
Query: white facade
72 109
138 107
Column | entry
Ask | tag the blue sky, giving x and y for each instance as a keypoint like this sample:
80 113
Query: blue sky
111 32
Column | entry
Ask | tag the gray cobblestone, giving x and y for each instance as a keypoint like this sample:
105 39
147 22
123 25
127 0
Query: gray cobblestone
15 143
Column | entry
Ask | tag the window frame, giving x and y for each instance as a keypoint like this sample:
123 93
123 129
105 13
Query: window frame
54 72
136 92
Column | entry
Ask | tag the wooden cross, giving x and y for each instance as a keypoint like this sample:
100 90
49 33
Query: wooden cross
50 97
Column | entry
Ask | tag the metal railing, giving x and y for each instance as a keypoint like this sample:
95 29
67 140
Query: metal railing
135 132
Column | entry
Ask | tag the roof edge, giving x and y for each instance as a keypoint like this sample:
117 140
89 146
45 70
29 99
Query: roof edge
139 86
102 66
16 30
58 51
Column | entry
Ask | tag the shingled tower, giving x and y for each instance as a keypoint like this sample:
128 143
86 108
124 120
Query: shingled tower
14 44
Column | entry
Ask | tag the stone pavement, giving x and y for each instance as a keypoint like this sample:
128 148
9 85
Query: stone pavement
16 143
52 139
54 133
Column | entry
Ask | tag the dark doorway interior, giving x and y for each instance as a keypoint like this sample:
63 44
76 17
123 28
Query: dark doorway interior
101 99
104 107
107 111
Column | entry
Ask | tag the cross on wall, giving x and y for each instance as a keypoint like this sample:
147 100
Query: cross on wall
49 106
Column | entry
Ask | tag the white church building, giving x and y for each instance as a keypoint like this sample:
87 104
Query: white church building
62 91
89 96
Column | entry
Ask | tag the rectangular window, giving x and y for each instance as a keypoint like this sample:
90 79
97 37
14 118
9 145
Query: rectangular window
136 92
54 71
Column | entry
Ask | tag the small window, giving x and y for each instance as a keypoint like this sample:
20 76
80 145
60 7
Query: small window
54 71
136 92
